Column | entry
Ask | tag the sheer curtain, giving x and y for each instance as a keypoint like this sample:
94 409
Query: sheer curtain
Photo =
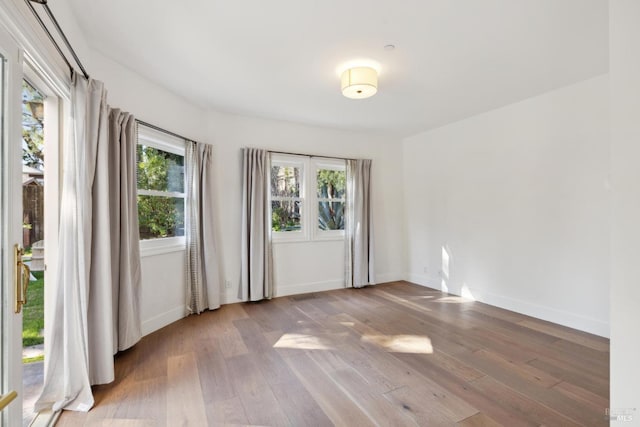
96 302
360 268
257 263
203 267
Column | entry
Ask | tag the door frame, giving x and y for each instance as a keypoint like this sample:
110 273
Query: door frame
11 207
37 58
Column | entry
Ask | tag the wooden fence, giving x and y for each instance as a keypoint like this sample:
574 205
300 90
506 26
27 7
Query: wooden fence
33 213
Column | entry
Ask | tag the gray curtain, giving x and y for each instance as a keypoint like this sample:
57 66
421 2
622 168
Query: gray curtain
125 234
360 268
203 267
257 264
96 301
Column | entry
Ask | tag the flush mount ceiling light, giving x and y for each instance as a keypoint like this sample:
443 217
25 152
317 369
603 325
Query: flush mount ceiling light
359 82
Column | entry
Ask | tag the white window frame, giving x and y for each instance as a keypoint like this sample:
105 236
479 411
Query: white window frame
303 164
162 141
324 164
308 197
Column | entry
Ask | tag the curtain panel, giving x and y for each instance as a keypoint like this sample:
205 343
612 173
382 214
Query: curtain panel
360 265
256 257
203 267
125 233
96 302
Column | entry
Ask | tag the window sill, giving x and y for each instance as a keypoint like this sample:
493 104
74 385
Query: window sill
315 239
168 245
324 236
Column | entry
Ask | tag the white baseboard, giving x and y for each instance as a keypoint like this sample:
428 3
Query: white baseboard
305 288
231 297
163 319
422 280
560 317
389 277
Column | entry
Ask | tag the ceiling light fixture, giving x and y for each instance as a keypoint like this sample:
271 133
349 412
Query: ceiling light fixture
359 82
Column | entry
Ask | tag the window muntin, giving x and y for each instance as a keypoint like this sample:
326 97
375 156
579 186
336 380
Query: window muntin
161 187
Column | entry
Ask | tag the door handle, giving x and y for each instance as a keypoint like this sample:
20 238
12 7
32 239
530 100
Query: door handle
21 278
5 399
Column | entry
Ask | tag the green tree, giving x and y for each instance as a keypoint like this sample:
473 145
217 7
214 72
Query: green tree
160 216
32 126
285 214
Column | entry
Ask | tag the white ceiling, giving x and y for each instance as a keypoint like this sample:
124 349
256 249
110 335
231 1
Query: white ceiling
278 58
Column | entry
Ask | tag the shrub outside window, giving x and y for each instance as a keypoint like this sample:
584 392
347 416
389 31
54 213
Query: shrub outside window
331 184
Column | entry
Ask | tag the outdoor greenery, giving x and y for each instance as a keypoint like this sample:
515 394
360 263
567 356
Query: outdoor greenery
158 215
285 215
331 190
33 312
285 194
286 203
33 156
32 126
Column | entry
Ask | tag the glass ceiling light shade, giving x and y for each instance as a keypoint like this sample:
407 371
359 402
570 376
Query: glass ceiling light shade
359 82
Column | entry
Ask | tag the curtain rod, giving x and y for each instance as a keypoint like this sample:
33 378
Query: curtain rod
310 155
75 56
159 129
60 32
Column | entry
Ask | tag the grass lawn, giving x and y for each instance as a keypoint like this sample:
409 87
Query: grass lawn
33 312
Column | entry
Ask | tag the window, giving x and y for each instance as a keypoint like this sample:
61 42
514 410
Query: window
161 189
307 198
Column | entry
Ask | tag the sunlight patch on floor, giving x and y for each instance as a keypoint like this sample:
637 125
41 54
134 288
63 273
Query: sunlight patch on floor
454 300
302 342
415 344
401 301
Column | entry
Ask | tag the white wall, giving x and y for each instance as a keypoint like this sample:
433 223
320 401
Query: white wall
305 267
518 198
299 267
163 276
624 41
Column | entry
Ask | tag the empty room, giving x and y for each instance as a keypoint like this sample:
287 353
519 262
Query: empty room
290 213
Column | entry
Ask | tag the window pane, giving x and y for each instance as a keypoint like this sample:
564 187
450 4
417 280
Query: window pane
285 181
159 170
331 184
331 215
160 216
285 215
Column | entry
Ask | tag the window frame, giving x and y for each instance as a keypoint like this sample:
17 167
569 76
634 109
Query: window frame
309 229
162 141
286 160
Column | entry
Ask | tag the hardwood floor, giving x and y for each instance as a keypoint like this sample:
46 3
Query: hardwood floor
392 355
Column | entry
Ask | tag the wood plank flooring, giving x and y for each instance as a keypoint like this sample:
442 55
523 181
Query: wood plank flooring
395 354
